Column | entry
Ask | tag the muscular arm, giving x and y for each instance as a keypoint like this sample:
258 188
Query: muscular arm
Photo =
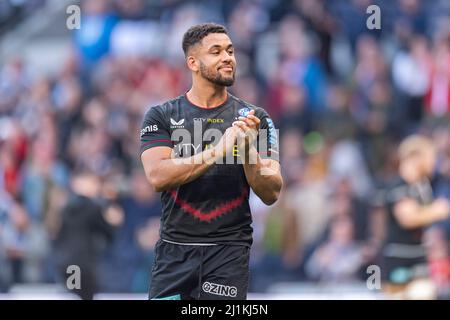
164 172
264 177
410 214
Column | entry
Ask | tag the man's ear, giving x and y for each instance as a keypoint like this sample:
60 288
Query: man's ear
192 63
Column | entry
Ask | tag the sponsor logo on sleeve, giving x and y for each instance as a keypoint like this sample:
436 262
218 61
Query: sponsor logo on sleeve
244 112
148 129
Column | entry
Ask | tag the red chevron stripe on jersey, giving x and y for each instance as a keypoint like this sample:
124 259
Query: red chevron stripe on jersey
217 212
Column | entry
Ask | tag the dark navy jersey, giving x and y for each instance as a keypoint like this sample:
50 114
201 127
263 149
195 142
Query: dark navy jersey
403 253
214 207
422 193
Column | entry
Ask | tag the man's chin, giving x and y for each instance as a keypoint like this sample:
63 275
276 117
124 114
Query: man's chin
225 82
229 84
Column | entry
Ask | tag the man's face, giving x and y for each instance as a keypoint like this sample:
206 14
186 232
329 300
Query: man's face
428 161
420 165
216 60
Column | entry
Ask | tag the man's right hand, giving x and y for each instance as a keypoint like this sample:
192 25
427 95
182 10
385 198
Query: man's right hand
441 207
226 143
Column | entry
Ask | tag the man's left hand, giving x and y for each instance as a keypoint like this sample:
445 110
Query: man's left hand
249 128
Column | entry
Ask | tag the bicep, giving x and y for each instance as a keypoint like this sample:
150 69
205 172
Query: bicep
152 157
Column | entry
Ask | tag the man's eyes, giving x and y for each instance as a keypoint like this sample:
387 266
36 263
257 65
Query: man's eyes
230 52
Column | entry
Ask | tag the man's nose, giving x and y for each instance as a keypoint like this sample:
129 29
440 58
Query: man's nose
226 56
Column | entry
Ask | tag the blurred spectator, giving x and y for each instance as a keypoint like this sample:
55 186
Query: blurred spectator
345 160
124 257
93 39
437 245
342 95
352 18
13 83
307 199
339 258
281 255
337 122
298 65
370 68
134 34
411 14
147 237
26 246
294 111
411 207
43 173
438 96
85 226
319 18
416 60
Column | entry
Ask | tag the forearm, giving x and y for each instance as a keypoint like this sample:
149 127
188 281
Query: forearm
264 178
423 217
418 216
171 173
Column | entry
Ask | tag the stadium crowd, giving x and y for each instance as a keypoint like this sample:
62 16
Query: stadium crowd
342 96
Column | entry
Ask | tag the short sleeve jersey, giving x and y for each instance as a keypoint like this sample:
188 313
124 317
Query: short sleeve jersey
214 207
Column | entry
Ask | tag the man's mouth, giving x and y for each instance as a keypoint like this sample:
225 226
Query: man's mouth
226 68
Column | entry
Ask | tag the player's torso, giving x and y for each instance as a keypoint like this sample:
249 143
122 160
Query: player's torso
423 194
194 129
216 203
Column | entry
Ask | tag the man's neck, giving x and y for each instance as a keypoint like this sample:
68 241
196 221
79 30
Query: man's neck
207 96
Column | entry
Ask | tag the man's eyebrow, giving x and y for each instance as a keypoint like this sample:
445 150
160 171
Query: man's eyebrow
217 46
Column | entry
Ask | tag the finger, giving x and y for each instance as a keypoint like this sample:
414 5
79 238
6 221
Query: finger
246 121
246 132
249 122
243 128
253 122
240 130
239 123
254 118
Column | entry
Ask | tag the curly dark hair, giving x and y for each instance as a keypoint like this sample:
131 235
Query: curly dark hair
196 33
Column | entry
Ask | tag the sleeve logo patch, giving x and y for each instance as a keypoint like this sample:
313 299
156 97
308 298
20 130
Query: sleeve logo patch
244 112
147 129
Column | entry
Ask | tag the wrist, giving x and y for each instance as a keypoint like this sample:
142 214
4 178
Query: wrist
250 156
210 155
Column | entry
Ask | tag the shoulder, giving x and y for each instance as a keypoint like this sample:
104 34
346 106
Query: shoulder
397 190
242 105
161 111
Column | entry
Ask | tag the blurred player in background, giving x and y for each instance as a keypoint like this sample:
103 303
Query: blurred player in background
205 233
411 208
86 225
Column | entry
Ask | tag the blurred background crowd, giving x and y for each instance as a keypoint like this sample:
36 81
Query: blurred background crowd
342 96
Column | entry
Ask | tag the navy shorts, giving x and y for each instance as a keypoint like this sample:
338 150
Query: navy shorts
199 272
